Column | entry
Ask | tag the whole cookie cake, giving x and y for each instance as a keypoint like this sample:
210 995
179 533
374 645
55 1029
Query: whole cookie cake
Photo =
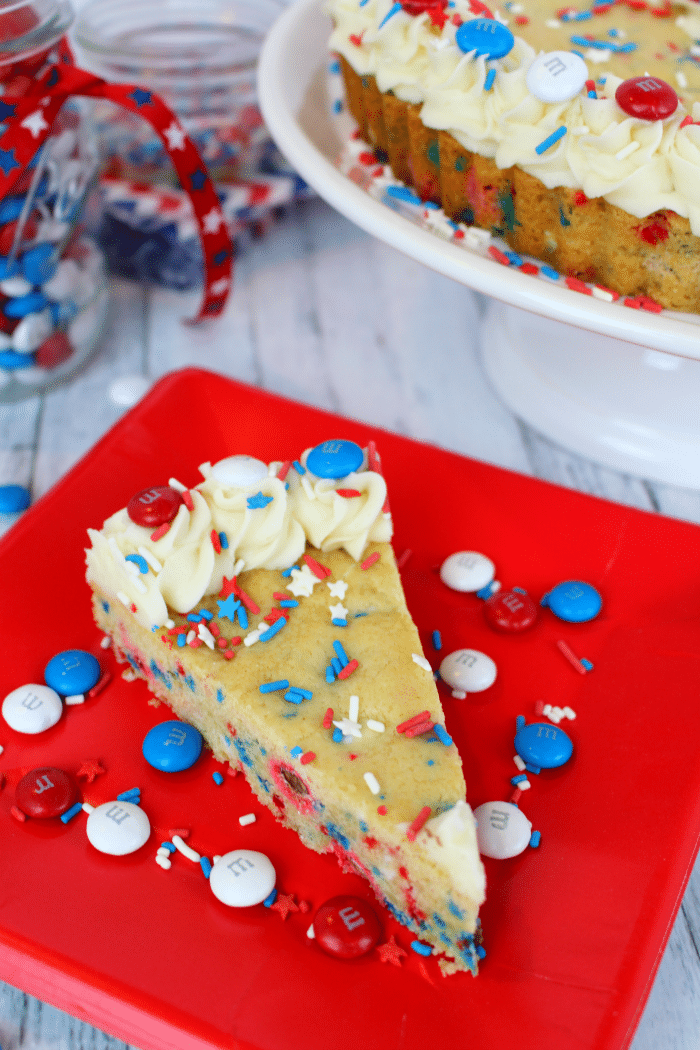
264 606
569 132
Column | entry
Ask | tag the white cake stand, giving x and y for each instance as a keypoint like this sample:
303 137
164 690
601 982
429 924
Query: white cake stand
616 385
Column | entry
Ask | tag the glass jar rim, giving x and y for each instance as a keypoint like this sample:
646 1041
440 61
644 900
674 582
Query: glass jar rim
155 43
28 27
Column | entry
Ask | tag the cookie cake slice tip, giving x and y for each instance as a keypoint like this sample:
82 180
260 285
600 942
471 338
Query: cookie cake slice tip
265 607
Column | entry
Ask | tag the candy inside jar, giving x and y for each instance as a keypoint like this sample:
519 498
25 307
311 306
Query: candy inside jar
53 297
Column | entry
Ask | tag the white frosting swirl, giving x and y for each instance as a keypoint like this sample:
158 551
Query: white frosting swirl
638 165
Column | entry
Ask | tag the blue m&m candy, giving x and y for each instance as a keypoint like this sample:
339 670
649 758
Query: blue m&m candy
39 263
334 459
11 208
25 304
543 746
573 601
14 498
486 36
172 746
72 672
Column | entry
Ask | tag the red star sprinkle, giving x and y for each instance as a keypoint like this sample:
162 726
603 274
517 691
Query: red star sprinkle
90 769
284 904
228 587
391 952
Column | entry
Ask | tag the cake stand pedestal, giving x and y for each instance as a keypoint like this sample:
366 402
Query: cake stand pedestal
632 408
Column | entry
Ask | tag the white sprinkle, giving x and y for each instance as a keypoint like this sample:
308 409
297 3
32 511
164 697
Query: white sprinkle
568 713
152 561
248 818
129 675
474 237
681 79
162 852
349 729
116 553
602 293
546 709
524 785
378 727
175 484
132 568
124 599
372 783
337 588
252 637
580 129
87 808
310 932
217 858
76 698
190 853
169 623
695 49
139 584
307 487
422 662
553 23
206 635
458 694
353 708
627 151
238 567
519 762
163 862
191 635
105 642
597 56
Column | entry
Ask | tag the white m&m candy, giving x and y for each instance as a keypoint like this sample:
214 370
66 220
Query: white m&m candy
242 878
557 76
467 571
502 830
239 471
32 708
467 671
118 828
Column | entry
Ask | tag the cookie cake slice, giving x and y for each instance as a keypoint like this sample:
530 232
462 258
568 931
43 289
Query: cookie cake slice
264 606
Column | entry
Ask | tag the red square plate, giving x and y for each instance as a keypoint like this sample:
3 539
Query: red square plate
574 930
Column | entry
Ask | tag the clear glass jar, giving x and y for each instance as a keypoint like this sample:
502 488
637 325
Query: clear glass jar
200 56
53 297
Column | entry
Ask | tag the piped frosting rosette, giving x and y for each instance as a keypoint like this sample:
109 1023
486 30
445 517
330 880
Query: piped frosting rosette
332 520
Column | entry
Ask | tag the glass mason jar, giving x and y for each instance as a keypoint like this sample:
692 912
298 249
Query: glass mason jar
53 297
200 56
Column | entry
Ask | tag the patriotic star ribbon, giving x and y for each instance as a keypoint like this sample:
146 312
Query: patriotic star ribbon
26 124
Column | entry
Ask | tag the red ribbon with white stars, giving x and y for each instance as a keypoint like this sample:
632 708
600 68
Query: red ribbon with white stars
27 122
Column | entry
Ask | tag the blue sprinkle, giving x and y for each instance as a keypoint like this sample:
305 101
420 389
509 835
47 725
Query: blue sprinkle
169 846
518 779
273 687
592 93
205 865
547 271
420 948
519 722
72 812
337 735
217 778
490 77
206 614
437 640
625 47
334 66
258 501
551 140
293 697
586 663
273 630
515 259
535 839
288 572
402 193
134 794
337 665
486 591
330 675
194 617
139 561
305 693
480 951
270 899
220 696
242 617
393 10
442 734
339 623
289 603
342 655
182 640
298 467
223 540
296 751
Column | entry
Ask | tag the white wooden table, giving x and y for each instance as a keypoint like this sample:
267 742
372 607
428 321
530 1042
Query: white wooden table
324 314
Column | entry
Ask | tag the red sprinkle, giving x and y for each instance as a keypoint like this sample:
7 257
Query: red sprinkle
221 642
404 558
381 810
539 707
284 470
498 256
414 721
328 718
235 641
160 532
515 796
580 198
18 814
356 39
367 158
685 122
418 823
229 655
348 493
419 728
183 833
281 596
373 461
318 570
368 562
245 598
529 268
187 500
309 756
634 303
577 286
522 20
348 669
650 304
105 679
214 629
215 541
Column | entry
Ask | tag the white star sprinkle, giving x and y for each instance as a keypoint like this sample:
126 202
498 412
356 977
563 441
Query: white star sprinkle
338 588
303 582
338 612
35 123
213 220
348 727
175 136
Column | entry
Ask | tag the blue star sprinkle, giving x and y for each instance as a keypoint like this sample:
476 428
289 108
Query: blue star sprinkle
258 500
141 97
229 607
198 179
7 109
7 161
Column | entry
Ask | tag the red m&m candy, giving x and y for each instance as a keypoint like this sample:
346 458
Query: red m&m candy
510 611
419 7
45 792
155 506
647 98
346 927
